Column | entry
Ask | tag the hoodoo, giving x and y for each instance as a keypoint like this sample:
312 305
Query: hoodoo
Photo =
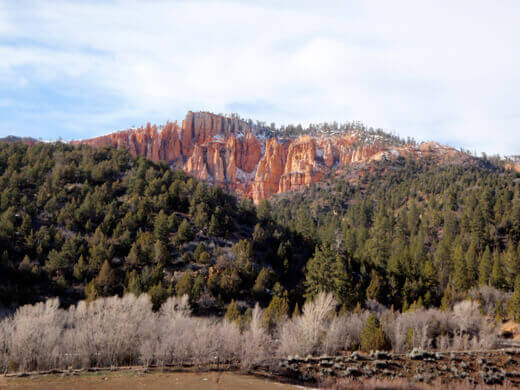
253 161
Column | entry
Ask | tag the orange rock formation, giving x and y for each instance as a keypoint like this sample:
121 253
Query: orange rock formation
229 152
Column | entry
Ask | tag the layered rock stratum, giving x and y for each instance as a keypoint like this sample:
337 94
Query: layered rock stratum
257 163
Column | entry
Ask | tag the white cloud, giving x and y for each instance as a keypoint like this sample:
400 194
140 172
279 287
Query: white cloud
432 69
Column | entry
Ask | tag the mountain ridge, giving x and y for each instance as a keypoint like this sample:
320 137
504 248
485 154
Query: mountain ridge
257 162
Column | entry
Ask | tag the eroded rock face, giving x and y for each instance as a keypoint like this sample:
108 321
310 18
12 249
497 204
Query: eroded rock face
269 171
515 167
229 152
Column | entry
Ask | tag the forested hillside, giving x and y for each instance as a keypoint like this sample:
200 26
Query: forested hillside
411 232
79 222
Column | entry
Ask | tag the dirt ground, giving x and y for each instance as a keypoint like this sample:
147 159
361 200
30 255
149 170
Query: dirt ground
125 380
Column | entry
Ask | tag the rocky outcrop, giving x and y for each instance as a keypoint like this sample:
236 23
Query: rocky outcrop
231 152
269 171
512 166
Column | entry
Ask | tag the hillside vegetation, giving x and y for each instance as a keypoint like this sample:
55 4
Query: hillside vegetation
82 223
412 232
78 222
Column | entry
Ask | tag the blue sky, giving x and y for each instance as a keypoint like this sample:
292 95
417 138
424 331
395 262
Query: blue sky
436 70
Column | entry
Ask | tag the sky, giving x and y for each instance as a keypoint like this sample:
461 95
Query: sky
438 70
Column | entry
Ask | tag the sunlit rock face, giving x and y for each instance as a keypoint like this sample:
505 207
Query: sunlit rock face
232 153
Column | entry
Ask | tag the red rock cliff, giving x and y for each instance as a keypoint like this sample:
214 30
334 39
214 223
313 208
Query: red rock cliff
229 152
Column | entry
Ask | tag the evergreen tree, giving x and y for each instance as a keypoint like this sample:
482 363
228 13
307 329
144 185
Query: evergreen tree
511 264
185 284
326 272
514 302
184 233
375 289
158 295
201 248
277 311
134 284
80 269
443 261
373 338
161 228
485 267
478 227
232 312
460 272
472 264
161 253
264 281
448 298
106 281
25 265
497 278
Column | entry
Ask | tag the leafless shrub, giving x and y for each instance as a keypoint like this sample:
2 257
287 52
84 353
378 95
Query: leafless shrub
177 337
489 297
344 332
463 328
215 341
106 332
474 330
123 331
5 331
303 334
35 336
257 341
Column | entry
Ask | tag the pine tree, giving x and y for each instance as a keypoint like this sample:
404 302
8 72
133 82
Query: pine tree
497 278
25 265
158 295
185 284
217 224
478 227
106 281
514 302
134 284
375 288
264 281
373 338
161 253
198 251
472 264
485 268
277 311
184 233
430 277
232 312
460 273
161 228
511 264
91 291
326 272
80 269
500 313
448 298
443 261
